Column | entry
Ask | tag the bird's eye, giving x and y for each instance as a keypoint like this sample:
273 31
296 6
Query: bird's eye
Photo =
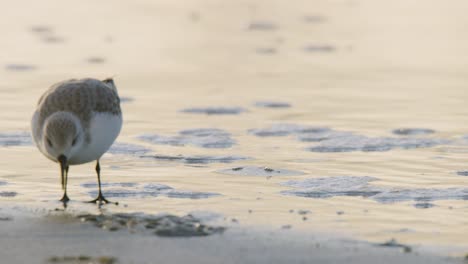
49 142
74 141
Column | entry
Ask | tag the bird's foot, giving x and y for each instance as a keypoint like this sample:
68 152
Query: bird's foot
65 200
101 200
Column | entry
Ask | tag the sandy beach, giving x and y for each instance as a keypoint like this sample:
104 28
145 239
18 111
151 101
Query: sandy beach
60 237
254 132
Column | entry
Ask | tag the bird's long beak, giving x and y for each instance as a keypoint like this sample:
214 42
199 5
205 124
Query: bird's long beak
63 165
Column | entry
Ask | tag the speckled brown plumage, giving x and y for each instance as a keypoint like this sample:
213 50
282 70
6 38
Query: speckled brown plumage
80 97
61 128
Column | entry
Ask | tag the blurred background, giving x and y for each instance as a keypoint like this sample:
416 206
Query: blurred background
364 67
366 55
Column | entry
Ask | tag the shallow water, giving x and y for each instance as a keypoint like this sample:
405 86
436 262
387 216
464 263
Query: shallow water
374 134
202 137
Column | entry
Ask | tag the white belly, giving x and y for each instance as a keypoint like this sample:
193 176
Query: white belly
104 129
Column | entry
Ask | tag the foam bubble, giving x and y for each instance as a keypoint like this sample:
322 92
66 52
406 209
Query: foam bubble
199 159
214 110
119 148
9 139
286 129
423 205
20 67
332 186
329 140
262 26
190 194
272 104
147 190
266 51
320 48
8 194
107 184
360 186
412 131
367 144
421 195
201 137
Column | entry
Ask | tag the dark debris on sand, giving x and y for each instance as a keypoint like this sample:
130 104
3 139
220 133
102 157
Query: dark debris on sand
164 226
83 259
394 244
258 171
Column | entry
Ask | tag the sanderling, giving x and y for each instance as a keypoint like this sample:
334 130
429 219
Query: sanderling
76 122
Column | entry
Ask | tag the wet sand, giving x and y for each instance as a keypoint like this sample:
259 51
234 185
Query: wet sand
325 131
62 238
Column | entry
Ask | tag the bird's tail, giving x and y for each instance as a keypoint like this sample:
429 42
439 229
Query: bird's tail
110 83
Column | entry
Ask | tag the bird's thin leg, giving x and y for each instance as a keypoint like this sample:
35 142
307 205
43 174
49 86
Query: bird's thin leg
100 199
64 172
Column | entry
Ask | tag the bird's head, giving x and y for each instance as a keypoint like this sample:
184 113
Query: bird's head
63 136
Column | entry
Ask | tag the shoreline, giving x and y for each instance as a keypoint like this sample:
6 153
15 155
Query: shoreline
58 237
